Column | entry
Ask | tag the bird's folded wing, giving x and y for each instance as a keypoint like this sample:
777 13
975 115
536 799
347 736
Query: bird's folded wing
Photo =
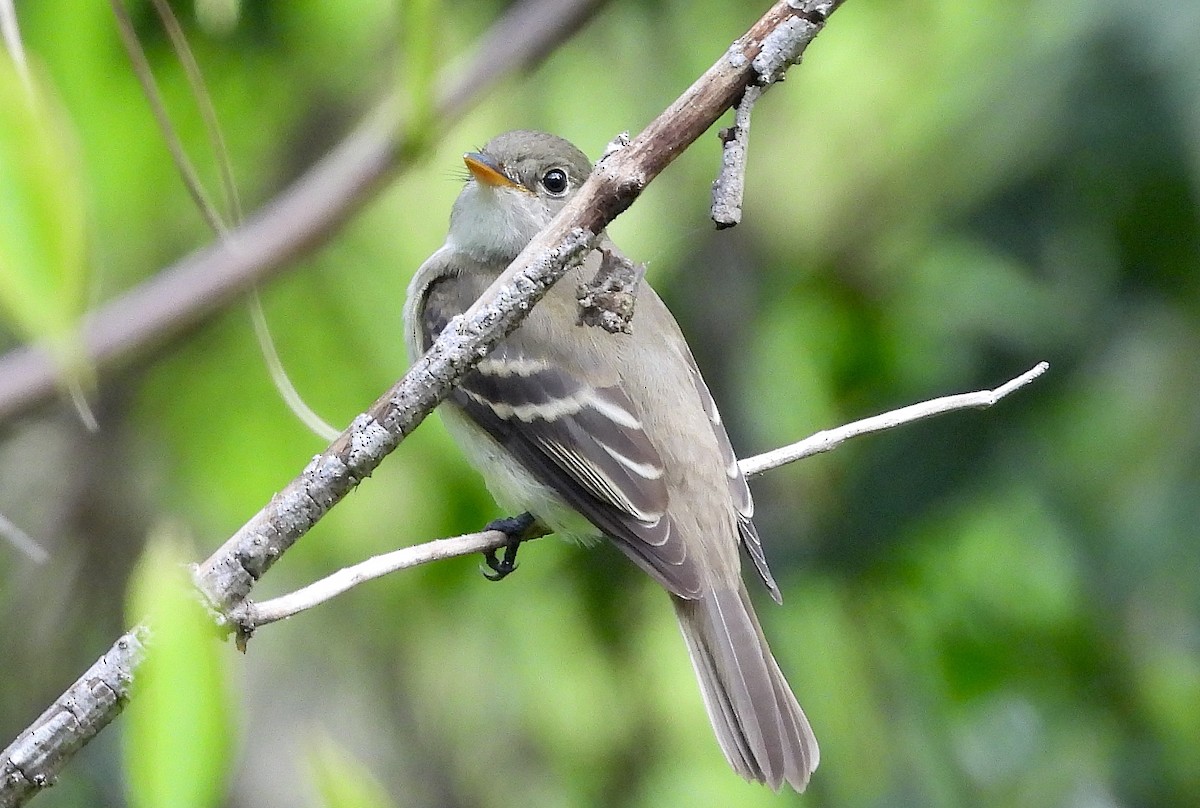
739 490
583 441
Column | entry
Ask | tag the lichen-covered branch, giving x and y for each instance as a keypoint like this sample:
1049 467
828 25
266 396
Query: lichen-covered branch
34 759
227 577
730 184
620 176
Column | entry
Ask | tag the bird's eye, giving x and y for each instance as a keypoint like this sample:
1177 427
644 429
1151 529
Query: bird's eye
555 182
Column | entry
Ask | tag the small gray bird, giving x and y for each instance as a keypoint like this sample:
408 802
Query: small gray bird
611 435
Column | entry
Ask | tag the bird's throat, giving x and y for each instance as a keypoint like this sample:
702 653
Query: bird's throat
494 224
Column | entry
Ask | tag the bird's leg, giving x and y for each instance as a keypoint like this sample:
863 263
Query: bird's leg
517 529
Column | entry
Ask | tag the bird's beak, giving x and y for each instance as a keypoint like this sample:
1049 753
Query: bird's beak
487 170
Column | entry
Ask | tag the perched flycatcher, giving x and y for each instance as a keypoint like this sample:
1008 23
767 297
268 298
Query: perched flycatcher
615 435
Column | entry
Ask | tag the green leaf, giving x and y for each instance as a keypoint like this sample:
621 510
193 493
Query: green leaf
178 730
43 274
342 781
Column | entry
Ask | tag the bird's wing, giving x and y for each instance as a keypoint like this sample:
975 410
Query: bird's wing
739 490
583 440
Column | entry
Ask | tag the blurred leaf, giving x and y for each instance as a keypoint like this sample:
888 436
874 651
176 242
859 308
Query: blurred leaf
342 781
179 724
43 275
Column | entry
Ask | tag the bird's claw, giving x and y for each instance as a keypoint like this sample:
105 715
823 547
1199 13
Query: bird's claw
496 568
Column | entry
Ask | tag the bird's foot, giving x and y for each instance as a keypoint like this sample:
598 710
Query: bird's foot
516 528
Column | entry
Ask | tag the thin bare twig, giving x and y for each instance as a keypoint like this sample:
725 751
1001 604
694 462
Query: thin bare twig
832 438
141 69
260 614
208 112
279 375
730 184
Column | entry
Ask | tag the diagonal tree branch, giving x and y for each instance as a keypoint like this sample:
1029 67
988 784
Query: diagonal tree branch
296 222
226 578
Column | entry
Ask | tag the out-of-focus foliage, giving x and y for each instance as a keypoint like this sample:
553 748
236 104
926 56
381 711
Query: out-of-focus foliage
342 782
178 734
989 609
43 278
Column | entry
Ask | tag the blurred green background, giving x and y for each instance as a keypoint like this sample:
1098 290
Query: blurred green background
997 608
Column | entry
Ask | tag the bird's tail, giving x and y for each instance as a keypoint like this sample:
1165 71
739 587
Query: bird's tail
759 724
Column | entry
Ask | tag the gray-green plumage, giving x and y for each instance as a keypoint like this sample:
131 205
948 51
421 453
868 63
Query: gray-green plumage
612 435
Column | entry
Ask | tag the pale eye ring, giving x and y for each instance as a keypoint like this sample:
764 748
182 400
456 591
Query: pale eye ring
555 181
